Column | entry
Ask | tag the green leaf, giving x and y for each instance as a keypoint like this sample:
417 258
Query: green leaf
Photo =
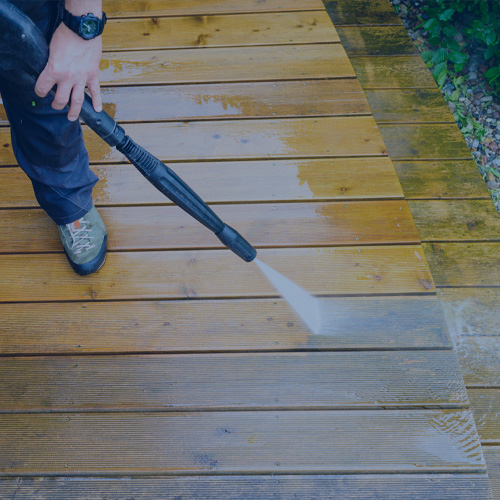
447 15
441 78
491 51
440 56
457 57
438 69
493 73
455 95
427 55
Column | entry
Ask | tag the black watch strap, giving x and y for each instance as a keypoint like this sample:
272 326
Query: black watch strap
76 23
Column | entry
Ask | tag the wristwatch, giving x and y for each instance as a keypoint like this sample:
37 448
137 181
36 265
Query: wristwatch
87 27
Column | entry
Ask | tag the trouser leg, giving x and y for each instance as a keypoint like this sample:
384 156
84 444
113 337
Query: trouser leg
48 147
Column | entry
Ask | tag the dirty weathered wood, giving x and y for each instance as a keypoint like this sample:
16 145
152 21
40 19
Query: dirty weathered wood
186 382
265 225
324 441
216 273
376 41
455 220
492 457
326 487
405 72
361 12
441 179
217 182
249 325
219 31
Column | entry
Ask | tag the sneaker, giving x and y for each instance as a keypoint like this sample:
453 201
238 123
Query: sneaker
85 242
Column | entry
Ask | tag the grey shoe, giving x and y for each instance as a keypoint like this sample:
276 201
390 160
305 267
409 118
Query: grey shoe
85 242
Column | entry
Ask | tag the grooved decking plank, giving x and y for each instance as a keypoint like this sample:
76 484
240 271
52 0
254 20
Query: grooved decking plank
328 487
216 274
441 179
233 100
268 180
265 225
219 31
145 8
232 381
187 326
242 139
361 12
398 72
492 457
454 220
464 264
376 41
323 441
424 141
408 105
486 404
289 62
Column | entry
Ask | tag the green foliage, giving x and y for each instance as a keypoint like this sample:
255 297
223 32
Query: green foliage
453 27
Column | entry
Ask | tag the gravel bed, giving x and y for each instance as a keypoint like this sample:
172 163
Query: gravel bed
477 100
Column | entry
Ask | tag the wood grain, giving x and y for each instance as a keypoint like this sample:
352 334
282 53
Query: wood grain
233 100
144 8
236 325
441 179
464 264
486 405
242 139
376 41
265 225
219 31
425 141
408 105
268 180
398 72
492 457
456 220
216 274
361 12
326 487
226 64
232 381
258 442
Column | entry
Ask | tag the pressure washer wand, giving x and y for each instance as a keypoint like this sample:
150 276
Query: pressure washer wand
24 54
165 179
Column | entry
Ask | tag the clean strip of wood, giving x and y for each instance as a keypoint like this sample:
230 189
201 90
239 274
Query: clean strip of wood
232 325
145 8
464 264
328 487
219 31
492 457
386 72
360 12
441 179
376 41
486 407
425 141
265 225
279 62
440 220
216 274
408 105
259 442
241 139
268 180
341 97
232 381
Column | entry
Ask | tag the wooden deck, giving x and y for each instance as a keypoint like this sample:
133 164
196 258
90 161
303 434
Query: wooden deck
177 371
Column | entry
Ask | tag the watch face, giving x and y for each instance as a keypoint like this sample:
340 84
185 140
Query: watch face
89 28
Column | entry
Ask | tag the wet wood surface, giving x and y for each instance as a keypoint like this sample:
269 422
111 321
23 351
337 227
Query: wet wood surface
486 404
259 487
144 368
361 12
492 456
236 442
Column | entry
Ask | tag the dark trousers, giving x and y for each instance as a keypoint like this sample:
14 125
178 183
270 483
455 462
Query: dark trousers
47 146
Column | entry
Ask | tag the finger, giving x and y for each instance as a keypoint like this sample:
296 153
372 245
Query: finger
95 92
77 96
44 83
62 96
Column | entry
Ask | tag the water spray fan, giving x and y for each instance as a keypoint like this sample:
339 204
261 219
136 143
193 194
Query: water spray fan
23 56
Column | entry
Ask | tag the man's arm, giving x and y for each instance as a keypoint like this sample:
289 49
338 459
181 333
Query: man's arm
73 63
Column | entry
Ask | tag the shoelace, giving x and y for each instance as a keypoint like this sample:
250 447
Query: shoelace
81 237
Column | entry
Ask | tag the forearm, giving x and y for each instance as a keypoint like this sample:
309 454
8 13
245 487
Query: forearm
82 7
